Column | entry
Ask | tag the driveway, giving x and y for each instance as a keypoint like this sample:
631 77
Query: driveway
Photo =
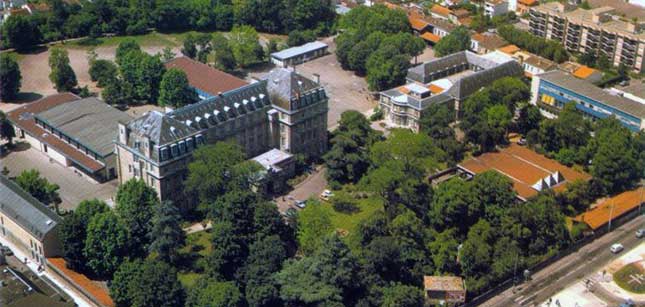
312 186
73 188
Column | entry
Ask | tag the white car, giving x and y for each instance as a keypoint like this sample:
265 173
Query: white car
640 233
326 194
301 204
616 248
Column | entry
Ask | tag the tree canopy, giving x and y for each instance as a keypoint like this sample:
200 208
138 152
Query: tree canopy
10 77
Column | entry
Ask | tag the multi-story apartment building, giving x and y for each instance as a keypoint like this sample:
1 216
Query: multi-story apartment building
447 80
598 30
552 90
287 111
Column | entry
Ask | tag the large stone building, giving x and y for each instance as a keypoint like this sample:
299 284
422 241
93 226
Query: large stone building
72 131
27 224
450 79
601 30
285 111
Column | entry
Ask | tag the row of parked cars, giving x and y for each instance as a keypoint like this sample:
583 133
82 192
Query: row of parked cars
325 195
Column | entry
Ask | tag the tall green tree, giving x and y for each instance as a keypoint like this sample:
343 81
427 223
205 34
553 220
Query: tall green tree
244 44
175 90
38 187
106 244
615 164
123 285
457 40
73 231
20 32
166 235
399 295
6 128
10 77
147 283
210 293
314 223
103 72
135 206
224 58
62 75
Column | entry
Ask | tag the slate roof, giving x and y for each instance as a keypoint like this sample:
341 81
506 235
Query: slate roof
204 77
284 85
25 210
593 92
299 50
89 121
421 73
160 129
467 85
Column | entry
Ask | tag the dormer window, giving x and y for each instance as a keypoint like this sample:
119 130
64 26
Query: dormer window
164 153
174 150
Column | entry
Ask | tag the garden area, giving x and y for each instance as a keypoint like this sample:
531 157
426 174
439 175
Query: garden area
198 246
631 277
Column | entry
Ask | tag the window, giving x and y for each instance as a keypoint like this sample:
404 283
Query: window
182 147
173 150
190 144
130 168
164 153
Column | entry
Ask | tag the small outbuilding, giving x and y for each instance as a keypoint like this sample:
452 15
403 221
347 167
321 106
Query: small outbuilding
298 55
444 290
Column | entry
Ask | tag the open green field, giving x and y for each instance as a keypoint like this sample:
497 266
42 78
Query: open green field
346 224
631 278
198 246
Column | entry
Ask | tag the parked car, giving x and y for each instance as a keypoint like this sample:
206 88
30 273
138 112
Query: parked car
301 204
521 142
616 248
640 233
326 194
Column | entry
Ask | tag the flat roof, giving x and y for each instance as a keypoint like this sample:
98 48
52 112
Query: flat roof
272 157
89 121
299 50
443 283
593 92
613 208
204 77
25 210
524 167
23 117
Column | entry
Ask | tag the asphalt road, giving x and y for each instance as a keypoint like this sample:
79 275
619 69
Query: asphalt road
566 271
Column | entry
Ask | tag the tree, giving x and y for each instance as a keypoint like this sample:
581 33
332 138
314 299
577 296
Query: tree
265 258
106 244
166 234
175 90
38 187
498 118
20 32
167 54
190 48
399 295
243 41
135 204
314 224
123 285
386 67
103 72
229 252
116 92
224 58
529 119
73 231
124 48
6 128
157 285
215 294
615 164
457 40
62 74
10 77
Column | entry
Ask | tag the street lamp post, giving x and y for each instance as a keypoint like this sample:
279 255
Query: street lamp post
611 212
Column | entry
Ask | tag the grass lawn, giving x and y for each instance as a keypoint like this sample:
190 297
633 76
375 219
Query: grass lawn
624 278
198 246
346 224
150 39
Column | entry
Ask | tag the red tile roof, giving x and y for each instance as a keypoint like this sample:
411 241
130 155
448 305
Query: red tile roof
524 167
429 36
23 118
441 10
204 77
417 23
613 207
90 287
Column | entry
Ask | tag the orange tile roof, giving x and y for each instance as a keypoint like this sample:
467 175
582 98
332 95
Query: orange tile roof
90 287
440 10
204 77
23 118
435 89
403 89
461 13
465 21
528 2
614 207
523 166
429 36
417 23
584 72
509 49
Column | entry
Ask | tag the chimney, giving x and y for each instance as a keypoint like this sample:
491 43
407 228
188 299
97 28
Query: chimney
317 78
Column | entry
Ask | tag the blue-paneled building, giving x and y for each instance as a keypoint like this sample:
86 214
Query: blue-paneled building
552 90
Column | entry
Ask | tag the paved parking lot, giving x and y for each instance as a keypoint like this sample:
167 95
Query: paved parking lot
73 188
312 186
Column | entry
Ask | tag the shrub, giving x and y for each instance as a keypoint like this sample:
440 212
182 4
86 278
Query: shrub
344 203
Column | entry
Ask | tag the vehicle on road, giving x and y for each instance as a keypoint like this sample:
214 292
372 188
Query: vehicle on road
521 142
326 194
5 250
301 204
616 248
640 233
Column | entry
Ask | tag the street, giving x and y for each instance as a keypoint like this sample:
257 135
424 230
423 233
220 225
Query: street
576 266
